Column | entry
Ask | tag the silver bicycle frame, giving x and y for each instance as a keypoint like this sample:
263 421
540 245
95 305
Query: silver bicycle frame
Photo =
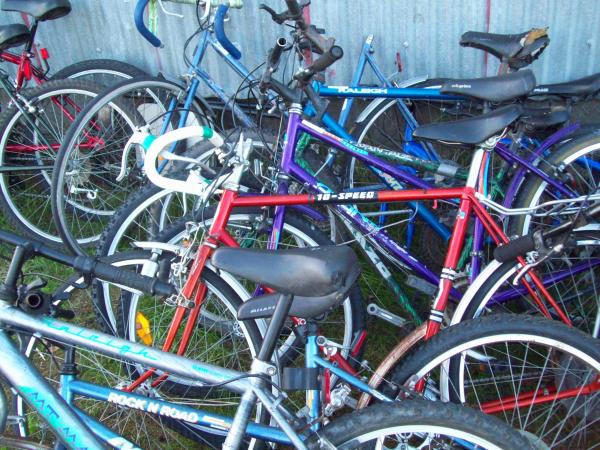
74 431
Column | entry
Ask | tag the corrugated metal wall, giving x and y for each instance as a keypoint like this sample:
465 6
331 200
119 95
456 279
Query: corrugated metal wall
424 32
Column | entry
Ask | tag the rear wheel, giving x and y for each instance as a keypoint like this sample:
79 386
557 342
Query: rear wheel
29 142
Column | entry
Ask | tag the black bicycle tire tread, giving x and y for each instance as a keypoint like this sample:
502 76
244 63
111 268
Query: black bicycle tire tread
101 63
499 324
421 412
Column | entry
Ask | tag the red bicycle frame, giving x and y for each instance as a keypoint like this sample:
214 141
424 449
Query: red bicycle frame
218 235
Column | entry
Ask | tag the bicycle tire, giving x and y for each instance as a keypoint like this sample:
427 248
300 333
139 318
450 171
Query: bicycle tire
354 315
105 72
412 422
575 293
79 227
560 164
446 358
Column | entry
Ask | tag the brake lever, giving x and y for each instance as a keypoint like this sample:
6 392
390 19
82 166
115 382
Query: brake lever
168 13
555 250
173 157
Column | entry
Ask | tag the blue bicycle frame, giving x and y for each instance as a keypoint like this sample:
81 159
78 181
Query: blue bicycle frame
78 430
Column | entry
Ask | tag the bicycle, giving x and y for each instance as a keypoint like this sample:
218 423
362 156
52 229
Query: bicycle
217 234
407 423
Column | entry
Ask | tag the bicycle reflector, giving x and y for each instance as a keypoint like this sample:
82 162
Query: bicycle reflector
142 328
44 53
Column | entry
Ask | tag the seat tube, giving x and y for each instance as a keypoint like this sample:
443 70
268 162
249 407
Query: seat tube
287 159
237 431
455 246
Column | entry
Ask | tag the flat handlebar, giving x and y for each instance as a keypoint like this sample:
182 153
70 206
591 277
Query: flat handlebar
92 267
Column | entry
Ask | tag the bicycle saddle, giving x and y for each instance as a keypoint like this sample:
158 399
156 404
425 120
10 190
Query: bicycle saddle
473 130
518 50
583 86
13 35
493 89
39 9
318 277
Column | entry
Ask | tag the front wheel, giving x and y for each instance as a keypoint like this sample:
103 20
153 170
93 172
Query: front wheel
251 229
537 375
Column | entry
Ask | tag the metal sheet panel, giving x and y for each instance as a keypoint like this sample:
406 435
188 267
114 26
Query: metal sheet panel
425 33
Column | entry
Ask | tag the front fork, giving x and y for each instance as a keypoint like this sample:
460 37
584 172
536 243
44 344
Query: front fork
448 275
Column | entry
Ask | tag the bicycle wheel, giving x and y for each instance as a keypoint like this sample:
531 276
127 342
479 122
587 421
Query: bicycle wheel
415 424
105 72
537 375
233 345
85 193
29 141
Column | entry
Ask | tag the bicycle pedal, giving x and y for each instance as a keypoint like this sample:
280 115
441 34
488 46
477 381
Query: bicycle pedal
384 314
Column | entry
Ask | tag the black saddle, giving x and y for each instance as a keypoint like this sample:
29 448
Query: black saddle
581 87
518 50
494 89
318 277
39 9
13 35
473 130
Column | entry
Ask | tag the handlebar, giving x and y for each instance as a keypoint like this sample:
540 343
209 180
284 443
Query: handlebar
272 63
193 185
92 267
220 32
222 9
319 43
535 241
325 60
138 17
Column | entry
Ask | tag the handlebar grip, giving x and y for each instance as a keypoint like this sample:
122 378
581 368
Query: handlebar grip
131 279
138 17
275 53
327 59
294 8
515 248
220 32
